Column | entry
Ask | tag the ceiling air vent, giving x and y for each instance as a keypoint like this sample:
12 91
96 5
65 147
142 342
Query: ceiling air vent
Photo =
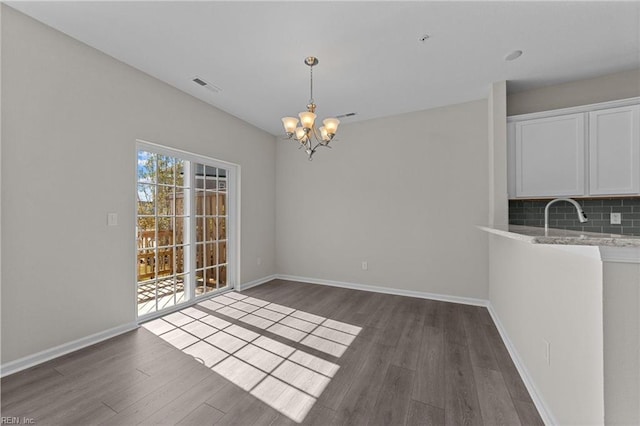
349 114
200 82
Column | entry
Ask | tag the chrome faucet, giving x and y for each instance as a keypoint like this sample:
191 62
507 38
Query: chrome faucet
581 216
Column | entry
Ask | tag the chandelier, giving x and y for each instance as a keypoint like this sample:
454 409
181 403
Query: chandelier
306 133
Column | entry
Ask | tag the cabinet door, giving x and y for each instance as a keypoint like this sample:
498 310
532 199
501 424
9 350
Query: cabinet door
550 156
614 151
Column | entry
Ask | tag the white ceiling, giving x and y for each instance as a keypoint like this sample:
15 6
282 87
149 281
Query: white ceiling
371 59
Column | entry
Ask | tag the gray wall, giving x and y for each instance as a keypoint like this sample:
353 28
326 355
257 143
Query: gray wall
610 87
71 116
403 193
621 306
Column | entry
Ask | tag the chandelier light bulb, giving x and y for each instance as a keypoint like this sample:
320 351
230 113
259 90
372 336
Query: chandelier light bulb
331 124
290 124
300 133
324 135
307 119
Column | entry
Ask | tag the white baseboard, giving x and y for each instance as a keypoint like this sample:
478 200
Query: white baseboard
387 290
542 407
257 282
48 354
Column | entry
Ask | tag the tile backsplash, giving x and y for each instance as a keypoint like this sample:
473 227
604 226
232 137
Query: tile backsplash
563 215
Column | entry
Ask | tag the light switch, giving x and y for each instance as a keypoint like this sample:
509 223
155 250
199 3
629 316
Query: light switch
616 218
112 219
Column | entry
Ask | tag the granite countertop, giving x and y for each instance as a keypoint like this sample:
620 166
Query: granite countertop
536 235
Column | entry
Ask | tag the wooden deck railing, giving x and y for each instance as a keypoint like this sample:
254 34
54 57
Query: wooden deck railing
147 254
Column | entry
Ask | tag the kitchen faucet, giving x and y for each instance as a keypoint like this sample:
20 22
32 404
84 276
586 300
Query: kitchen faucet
581 216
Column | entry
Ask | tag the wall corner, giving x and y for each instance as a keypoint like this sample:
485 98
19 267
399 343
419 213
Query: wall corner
497 117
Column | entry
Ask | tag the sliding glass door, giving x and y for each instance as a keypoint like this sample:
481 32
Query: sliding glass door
185 227
211 228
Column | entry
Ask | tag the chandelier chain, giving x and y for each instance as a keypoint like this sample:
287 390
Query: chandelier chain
311 85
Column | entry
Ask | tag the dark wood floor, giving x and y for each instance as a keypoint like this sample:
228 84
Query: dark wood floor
414 362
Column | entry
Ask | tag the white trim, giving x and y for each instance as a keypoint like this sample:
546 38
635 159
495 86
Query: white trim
237 228
543 408
255 283
233 222
387 290
178 307
575 109
132 231
176 152
12 367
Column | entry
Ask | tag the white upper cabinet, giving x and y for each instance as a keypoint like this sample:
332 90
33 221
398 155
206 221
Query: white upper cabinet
614 151
549 155
593 150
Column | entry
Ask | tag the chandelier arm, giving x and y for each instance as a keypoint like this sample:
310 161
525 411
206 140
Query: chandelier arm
310 153
319 140
315 133
319 145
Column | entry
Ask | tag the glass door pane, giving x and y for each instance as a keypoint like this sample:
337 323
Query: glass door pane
160 231
211 217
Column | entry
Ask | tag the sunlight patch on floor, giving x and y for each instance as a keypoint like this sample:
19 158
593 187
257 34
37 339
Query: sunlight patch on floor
163 302
282 376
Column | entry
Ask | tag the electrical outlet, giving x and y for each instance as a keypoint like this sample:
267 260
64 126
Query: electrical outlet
616 218
547 352
365 265
259 261
112 219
